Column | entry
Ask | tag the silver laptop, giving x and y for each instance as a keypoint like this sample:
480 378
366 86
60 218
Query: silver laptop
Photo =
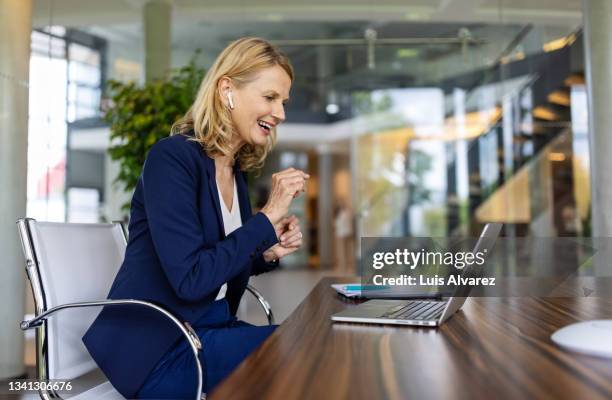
419 312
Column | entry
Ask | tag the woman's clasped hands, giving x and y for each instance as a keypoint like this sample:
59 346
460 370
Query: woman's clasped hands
286 185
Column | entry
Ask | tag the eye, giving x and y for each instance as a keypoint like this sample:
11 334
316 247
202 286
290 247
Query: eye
269 98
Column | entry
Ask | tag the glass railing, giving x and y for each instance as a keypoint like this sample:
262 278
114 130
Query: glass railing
432 160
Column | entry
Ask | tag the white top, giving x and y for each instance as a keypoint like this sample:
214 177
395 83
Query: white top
231 221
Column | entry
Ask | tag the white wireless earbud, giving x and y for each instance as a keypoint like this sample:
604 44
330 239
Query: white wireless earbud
230 100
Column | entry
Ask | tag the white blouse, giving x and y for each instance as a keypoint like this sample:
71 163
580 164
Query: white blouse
231 221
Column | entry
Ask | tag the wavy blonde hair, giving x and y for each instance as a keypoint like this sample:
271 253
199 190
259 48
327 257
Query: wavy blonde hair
211 120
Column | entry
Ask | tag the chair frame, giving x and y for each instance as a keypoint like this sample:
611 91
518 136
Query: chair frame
42 313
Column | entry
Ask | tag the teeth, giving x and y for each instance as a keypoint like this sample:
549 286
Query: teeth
264 124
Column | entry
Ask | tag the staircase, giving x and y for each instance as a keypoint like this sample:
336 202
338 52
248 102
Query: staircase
531 121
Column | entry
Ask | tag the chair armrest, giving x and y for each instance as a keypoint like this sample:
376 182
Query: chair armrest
264 304
185 328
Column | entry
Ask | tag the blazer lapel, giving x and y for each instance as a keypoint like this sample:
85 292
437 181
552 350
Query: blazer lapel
243 195
241 189
214 193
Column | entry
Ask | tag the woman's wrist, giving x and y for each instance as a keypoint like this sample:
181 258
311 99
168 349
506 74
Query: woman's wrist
269 256
272 217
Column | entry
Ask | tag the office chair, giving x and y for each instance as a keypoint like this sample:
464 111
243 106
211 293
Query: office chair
71 267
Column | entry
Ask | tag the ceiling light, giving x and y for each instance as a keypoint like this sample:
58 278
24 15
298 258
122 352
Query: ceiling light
406 53
274 17
559 43
332 109
417 16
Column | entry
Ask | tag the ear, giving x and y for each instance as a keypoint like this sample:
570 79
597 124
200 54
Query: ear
223 87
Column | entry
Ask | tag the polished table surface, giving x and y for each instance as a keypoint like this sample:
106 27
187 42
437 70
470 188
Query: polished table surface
493 348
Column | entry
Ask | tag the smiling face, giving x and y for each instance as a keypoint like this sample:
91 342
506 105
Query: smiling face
259 105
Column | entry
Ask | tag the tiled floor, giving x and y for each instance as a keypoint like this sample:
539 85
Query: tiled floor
283 289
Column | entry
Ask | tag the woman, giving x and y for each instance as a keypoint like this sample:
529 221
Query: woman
193 241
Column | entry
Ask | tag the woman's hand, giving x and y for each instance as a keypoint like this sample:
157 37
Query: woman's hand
286 185
290 239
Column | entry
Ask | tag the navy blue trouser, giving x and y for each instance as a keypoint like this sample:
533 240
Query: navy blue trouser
225 343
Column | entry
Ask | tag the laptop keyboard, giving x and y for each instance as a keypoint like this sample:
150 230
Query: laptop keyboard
416 310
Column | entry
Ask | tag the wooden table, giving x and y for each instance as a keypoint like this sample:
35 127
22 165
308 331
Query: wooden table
493 348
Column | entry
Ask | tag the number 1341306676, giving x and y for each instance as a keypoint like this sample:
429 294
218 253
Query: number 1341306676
33 385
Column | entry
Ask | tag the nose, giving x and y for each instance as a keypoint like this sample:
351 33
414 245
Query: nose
279 112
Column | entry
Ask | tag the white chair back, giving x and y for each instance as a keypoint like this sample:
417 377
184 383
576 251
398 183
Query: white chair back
75 263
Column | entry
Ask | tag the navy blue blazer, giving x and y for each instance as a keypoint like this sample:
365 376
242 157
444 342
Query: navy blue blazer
178 257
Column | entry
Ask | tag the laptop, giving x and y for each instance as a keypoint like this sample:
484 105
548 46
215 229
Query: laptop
420 312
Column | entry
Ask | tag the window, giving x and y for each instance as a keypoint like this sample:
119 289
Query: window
66 76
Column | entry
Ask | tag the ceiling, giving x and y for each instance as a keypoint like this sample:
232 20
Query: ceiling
90 12
209 25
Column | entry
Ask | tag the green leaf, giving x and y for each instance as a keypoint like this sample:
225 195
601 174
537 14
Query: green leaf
139 116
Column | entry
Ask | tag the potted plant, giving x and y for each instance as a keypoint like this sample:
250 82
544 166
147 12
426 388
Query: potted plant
139 116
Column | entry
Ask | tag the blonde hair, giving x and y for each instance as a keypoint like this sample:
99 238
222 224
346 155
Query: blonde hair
210 119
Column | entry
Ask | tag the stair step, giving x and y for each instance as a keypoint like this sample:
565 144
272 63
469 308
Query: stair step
545 113
560 97
574 79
